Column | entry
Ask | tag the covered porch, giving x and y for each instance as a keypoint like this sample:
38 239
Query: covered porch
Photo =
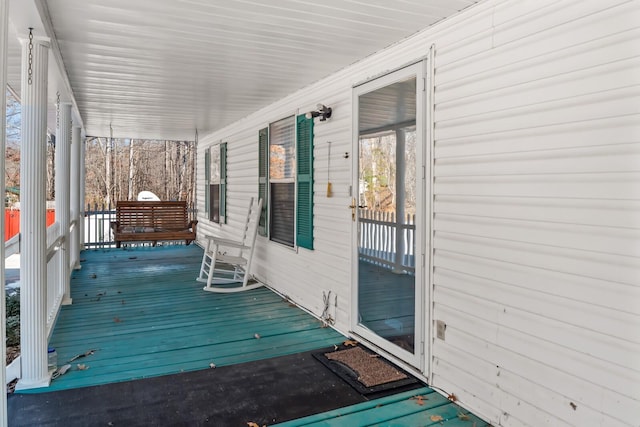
495 141
140 314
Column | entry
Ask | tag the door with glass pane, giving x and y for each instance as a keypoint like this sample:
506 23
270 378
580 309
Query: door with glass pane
388 213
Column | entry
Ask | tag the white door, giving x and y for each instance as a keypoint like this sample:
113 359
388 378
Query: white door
388 212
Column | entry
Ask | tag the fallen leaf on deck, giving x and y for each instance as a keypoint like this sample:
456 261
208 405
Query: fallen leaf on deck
452 397
351 343
463 417
257 336
82 367
435 418
117 320
419 400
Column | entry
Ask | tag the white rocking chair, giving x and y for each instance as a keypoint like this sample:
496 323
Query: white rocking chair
235 255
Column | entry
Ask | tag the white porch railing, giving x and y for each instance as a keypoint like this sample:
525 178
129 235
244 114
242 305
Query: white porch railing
380 236
55 289
12 246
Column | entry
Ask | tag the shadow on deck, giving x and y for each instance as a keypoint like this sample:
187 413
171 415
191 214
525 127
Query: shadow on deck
156 333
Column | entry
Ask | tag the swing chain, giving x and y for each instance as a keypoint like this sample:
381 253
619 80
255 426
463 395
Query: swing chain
30 71
58 110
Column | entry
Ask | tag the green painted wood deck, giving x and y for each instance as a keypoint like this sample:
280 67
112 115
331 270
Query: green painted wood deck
399 410
145 315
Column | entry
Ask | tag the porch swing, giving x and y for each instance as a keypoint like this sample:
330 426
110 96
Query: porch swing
226 262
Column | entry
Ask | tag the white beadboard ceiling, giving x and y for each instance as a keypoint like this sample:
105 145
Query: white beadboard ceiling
159 69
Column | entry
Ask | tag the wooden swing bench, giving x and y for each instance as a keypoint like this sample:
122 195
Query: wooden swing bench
152 221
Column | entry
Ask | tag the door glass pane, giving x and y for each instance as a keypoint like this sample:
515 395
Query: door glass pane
386 214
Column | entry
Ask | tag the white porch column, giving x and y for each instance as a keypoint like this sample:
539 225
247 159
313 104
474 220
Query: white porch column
33 259
401 168
63 163
83 174
76 204
4 24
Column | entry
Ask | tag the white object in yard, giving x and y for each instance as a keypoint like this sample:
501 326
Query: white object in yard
144 196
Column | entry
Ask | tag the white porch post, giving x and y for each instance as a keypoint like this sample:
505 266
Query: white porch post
76 204
4 24
33 259
63 162
83 174
401 166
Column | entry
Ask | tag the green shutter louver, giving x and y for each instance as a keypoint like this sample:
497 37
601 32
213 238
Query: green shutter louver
223 183
304 202
207 179
263 177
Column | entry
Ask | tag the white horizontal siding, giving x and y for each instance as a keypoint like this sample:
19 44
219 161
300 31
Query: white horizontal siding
537 214
536 207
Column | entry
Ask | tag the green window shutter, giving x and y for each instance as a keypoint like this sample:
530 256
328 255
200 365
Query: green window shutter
223 183
263 178
304 202
207 179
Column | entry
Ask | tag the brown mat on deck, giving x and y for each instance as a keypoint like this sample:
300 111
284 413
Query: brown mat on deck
371 369
365 371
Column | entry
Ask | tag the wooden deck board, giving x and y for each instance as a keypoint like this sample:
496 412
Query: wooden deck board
399 410
145 315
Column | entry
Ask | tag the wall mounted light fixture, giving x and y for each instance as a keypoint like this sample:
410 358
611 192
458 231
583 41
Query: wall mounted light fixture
321 111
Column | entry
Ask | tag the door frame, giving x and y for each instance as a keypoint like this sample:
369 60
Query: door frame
418 359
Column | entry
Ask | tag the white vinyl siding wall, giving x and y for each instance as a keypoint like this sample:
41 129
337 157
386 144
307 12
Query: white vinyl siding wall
536 207
536 214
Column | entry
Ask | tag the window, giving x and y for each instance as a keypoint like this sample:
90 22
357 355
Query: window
286 181
216 183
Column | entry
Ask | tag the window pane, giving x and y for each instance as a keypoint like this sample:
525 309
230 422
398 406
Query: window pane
282 212
282 154
214 201
215 165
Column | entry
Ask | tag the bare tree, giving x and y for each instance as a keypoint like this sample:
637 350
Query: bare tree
132 171
165 168
108 171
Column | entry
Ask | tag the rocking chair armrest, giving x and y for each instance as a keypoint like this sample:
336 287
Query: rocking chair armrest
227 243
192 225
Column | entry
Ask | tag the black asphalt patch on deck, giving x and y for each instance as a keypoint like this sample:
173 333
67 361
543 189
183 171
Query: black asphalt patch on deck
265 392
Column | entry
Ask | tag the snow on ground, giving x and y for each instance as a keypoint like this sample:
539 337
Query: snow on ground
12 274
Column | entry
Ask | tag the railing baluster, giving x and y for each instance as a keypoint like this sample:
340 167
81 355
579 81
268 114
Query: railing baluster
379 239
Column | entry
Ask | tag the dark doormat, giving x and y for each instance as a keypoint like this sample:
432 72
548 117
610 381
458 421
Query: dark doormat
366 371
